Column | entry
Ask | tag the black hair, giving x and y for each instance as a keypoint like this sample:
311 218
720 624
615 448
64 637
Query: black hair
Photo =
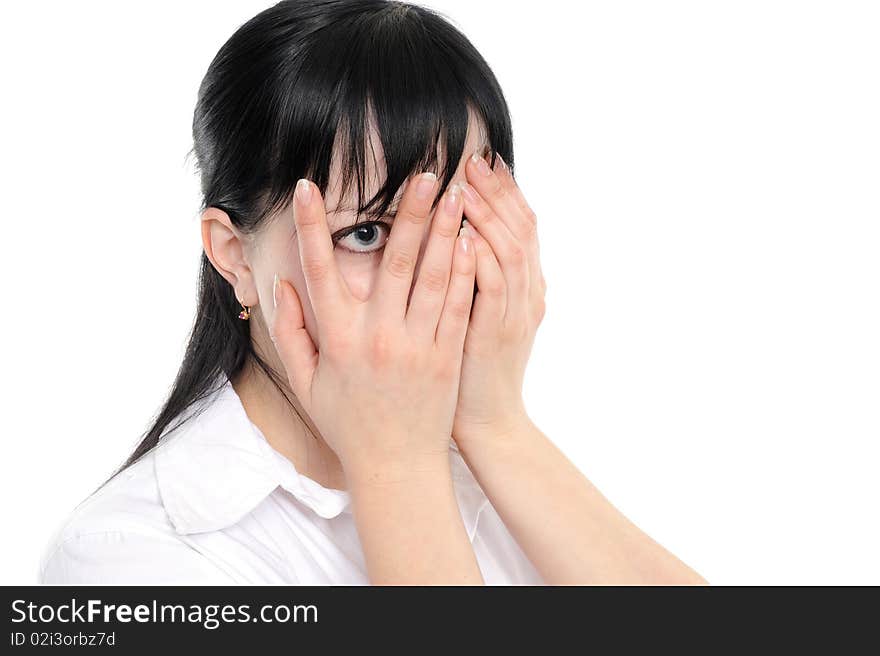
282 93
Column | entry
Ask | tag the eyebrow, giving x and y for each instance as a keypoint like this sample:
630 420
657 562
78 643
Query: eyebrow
337 211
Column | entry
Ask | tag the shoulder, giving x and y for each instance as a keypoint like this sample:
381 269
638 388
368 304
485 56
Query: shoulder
121 533
128 501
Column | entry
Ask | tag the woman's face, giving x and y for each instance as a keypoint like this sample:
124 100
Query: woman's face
358 249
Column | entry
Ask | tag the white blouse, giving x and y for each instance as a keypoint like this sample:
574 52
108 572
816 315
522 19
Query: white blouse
215 503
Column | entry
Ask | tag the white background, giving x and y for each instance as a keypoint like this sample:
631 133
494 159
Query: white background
706 180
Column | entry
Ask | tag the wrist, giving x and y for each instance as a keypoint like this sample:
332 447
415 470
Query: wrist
509 426
494 442
397 471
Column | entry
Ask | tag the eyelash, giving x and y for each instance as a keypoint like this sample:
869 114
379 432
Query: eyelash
365 224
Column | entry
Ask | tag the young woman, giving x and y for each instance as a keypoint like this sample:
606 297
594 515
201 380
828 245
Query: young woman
349 408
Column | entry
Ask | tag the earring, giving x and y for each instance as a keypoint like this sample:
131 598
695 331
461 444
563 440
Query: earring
246 313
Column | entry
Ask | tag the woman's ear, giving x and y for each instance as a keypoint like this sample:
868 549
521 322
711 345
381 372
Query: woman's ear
224 246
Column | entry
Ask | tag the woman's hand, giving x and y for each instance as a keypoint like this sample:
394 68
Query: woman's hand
584 539
508 307
383 387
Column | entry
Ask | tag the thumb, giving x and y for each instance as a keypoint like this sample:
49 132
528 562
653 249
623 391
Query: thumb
292 340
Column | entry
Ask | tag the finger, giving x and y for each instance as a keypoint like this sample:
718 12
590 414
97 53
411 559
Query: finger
454 321
506 175
401 250
429 293
291 339
327 291
537 285
491 300
495 189
503 195
511 254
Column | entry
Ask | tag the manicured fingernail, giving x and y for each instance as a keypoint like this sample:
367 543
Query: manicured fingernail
425 185
482 164
500 163
275 291
468 192
453 197
469 229
304 191
464 240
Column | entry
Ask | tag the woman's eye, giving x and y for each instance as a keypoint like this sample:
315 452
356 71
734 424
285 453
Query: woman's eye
366 238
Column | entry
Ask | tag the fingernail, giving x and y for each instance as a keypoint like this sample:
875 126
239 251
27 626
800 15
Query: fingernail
425 185
482 164
452 198
472 231
275 291
463 240
304 190
500 162
468 192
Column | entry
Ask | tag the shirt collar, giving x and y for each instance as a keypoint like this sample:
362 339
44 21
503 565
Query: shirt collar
218 466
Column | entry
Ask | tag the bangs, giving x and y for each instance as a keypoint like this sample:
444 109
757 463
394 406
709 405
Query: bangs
401 74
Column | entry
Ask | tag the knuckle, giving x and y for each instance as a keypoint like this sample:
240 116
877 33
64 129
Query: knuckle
496 289
381 346
515 256
529 230
446 229
460 310
448 369
497 190
434 279
306 221
480 211
315 270
487 217
531 217
400 264
413 215
540 309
